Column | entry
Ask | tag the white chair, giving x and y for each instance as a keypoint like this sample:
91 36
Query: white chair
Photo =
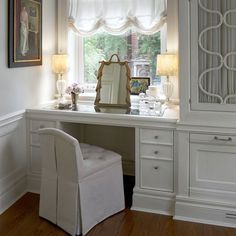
88 186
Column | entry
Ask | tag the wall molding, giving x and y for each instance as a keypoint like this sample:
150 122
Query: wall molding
12 184
11 118
14 192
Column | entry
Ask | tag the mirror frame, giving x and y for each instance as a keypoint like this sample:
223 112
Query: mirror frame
99 83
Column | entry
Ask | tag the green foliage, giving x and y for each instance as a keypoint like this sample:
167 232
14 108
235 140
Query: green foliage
102 45
149 47
92 57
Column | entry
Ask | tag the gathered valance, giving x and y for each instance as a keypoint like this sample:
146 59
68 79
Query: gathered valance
116 16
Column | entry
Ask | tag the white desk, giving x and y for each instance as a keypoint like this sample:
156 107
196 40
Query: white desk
146 141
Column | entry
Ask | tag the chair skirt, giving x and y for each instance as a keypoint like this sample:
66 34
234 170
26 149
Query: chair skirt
101 195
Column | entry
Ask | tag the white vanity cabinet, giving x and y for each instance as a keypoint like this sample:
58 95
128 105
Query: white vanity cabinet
155 175
151 148
156 159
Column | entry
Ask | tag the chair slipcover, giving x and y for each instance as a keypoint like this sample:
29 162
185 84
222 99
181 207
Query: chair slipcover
87 184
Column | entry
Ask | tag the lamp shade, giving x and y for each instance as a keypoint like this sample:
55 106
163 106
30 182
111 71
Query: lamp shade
60 63
167 64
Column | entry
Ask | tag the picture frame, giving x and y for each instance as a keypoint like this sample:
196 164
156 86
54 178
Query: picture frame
24 33
139 85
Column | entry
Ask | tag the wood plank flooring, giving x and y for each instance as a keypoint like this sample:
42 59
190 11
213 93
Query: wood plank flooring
22 220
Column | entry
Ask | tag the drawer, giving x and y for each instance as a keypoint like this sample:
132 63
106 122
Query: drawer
156 136
157 175
156 151
39 124
217 139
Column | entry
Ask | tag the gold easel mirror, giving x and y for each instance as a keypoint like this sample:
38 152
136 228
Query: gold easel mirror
113 83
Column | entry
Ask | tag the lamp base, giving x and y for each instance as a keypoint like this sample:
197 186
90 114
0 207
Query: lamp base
61 87
167 87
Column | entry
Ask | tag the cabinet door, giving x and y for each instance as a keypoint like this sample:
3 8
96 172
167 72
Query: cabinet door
213 65
212 168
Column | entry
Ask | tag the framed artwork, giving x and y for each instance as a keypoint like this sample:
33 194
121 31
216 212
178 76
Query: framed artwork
139 85
24 33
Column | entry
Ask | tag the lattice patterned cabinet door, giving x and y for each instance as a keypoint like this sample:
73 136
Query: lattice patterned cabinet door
213 55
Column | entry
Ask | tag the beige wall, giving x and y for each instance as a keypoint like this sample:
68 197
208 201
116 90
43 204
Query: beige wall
27 86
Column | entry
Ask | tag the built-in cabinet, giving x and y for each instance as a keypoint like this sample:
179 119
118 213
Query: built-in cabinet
182 170
206 131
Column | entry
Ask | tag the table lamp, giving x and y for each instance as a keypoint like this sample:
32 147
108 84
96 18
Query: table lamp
167 65
60 65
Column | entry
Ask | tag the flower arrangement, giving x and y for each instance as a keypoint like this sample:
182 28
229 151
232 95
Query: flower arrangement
74 88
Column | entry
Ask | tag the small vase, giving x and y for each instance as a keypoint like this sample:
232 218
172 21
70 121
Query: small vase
74 100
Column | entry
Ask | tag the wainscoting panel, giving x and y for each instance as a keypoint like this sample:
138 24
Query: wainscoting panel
13 181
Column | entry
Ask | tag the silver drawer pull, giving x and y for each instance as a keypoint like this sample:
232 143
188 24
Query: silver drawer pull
156 152
222 139
156 137
156 167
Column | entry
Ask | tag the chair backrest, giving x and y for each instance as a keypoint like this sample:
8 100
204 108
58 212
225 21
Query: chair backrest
48 153
64 150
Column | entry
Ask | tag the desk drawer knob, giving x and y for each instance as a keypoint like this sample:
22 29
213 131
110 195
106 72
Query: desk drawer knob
156 137
156 152
156 167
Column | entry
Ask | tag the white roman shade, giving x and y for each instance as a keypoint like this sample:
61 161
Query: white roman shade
116 16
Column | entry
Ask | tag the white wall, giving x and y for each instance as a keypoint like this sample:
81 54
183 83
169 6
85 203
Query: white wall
27 86
21 88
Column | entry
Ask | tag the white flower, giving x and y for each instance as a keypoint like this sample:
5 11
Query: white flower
74 88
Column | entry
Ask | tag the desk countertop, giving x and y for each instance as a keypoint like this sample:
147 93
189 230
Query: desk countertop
87 111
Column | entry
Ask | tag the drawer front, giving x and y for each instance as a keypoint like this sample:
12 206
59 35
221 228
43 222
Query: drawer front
157 175
39 124
156 151
156 136
217 139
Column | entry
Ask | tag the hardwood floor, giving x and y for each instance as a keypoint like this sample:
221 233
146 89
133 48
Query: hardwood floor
22 220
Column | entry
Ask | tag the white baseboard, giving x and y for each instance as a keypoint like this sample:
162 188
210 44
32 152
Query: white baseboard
200 211
13 193
153 201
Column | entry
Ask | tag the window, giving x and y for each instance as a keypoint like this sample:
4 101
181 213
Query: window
139 49
120 18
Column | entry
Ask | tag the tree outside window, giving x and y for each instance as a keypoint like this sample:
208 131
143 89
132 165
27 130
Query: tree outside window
140 50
